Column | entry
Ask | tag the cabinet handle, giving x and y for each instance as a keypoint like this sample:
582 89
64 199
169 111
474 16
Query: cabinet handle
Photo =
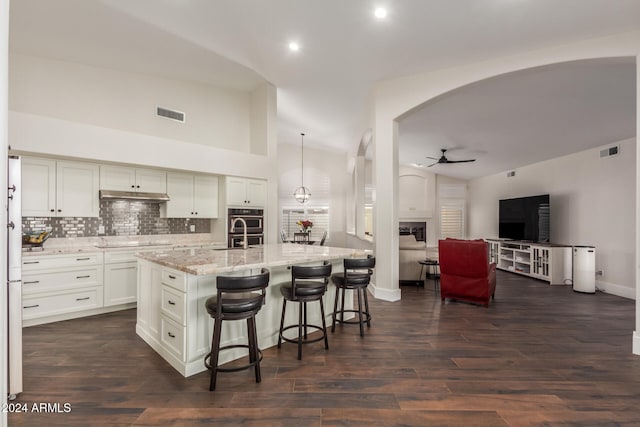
137 186
31 262
32 282
53 210
31 306
82 299
83 259
172 277
59 210
82 277
133 186
171 302
171 335
196 213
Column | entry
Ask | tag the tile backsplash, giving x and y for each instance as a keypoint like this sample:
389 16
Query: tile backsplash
119 218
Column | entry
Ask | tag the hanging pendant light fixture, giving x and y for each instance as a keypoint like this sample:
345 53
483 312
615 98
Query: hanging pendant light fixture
302 193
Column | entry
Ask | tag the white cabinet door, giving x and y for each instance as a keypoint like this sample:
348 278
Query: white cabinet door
236 191
205 202
38 187
256 193
120 283
77 187
151 181
117 178
180 190
246 192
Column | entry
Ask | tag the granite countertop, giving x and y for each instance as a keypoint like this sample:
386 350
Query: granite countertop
61 246
212 261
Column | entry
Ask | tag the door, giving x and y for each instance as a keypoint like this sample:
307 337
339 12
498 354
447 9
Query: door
117 178
256 192
205 202
38 187
180 190
77 186
151 181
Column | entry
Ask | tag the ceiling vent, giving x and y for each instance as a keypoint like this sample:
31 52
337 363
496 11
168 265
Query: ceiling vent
611 151
511 174
178 116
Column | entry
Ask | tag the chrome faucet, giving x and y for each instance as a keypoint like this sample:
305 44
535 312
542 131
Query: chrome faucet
245 244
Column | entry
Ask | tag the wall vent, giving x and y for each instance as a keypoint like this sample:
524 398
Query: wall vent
611 151
178 116
511 174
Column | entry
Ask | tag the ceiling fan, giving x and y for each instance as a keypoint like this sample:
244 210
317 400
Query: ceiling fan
443 159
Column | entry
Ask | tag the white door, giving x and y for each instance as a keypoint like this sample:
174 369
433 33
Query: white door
38 187
117 178
236 191
77 189
151 181
256 192
180 190
205 196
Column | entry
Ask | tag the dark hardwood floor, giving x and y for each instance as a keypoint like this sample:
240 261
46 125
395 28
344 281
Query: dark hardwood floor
538 356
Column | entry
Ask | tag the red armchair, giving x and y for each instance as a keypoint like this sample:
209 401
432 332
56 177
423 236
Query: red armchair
465 272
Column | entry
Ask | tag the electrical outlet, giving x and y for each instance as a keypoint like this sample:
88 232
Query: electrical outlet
192 228
600 273
101 229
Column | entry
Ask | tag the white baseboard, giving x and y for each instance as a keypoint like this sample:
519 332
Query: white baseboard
390 295
613 289
636 343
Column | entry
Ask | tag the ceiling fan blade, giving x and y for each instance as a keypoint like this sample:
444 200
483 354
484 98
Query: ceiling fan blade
461 161
432 158
433 164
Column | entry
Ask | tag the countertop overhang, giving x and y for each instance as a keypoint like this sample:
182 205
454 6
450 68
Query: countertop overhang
211 261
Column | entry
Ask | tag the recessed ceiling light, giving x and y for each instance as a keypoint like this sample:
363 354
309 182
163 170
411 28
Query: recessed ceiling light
417 165
294 46
380 12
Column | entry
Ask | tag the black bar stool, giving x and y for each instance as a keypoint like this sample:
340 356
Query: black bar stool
311 288
356 276
236 299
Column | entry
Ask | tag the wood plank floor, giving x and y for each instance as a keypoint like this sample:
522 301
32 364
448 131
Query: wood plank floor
538 356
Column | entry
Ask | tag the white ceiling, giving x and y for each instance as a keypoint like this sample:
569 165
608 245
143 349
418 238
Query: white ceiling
323 89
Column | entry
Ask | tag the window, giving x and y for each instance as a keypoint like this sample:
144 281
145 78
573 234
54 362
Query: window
318 216
452 219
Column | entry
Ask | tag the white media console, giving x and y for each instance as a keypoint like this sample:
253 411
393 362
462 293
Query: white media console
543 261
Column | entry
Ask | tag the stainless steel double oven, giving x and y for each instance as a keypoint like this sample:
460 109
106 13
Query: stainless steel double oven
254 218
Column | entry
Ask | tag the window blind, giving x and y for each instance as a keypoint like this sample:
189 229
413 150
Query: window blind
452 220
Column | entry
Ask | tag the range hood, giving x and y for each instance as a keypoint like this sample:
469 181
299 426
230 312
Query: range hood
133 195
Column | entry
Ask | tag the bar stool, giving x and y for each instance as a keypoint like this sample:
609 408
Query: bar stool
236 299
356 276
311 288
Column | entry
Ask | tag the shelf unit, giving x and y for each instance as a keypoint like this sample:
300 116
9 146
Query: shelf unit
541 261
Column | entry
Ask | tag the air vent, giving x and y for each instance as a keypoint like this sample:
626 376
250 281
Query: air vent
511 174
178 116
611 151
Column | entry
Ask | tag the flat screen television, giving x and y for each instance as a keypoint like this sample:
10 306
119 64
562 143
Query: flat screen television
525 218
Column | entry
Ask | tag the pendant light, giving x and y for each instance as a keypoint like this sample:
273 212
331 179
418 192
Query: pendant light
302 193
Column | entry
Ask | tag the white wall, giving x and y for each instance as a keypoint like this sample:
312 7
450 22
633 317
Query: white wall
215 117
592 203
4 41
325 174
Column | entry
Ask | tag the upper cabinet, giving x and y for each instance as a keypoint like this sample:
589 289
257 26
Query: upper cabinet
59 188
191 196
246 192
132 179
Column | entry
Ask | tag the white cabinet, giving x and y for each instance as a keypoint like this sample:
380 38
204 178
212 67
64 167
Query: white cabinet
132 179
57 287
243 192
191 196
541 261
59 188
120 276
548 263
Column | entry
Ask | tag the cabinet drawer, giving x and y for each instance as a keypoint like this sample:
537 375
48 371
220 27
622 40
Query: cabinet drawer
172 337
173 304
61 302
175 279
44 282
34 263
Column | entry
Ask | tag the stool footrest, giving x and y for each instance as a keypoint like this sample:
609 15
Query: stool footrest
207 357
304 341
354 321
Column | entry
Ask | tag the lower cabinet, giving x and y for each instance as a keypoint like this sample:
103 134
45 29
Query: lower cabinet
120 277
56 287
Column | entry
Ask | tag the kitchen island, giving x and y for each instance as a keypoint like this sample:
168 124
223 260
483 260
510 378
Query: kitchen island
174 285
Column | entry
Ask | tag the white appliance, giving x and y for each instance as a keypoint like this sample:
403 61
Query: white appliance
584 269
14 275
